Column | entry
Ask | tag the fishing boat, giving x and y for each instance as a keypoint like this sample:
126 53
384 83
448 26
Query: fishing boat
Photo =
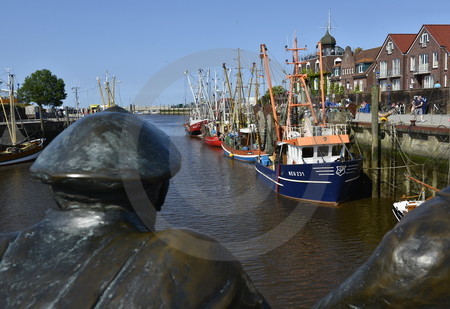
197 118
14 147
311 159
239 146
241 141
210 134
408 203
401 208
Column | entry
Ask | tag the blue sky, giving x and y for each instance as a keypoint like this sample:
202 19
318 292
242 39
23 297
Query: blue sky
141 42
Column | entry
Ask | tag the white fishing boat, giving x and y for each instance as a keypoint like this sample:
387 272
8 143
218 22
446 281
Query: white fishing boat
401 208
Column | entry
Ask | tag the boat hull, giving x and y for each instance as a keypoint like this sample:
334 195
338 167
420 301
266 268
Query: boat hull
397 213
329 183
29 154
194 127
212 141
241 155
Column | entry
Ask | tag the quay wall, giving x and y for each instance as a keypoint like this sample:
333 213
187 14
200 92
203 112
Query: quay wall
419 151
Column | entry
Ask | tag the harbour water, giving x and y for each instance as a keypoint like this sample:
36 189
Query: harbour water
294 252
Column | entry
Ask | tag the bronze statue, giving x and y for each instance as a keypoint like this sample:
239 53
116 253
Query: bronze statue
410 268
109 174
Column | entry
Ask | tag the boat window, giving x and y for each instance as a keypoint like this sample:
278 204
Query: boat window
322 151
336 150
308 152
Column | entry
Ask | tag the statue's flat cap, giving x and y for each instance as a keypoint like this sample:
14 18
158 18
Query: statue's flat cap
104 149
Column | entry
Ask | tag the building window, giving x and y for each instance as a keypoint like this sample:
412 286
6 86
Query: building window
317 66
396 84
337 71
435 60
360 68
383 85
446 62
412 64
383 69
396 67
424 39
389 47
423 62
428 81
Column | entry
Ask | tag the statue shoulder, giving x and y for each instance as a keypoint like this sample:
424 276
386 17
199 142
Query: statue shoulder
5 240
195 244
184 268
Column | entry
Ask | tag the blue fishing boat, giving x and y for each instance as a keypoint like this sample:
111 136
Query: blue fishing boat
311 159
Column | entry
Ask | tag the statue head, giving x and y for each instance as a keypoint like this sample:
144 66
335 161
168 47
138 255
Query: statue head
109 159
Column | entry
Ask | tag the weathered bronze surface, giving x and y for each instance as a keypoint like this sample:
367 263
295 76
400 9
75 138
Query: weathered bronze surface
93 258
97 249
410 268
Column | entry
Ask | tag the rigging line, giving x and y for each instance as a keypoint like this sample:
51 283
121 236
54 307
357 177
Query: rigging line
389 167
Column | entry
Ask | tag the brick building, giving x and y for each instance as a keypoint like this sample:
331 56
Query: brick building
404 61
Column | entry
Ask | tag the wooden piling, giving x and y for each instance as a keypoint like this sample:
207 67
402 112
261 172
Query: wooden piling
375 166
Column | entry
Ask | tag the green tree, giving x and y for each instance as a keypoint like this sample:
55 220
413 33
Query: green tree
279 93
42 88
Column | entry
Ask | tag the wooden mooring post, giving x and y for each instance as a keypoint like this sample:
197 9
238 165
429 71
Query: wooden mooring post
375 166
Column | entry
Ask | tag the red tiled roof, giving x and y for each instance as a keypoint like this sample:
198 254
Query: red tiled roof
403 41
367 55
441 33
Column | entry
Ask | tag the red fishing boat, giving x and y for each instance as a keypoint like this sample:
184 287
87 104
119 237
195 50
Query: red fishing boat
194 126
211 135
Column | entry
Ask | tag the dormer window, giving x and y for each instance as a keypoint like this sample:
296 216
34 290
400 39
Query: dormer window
424 39
389 47
337 60
317 66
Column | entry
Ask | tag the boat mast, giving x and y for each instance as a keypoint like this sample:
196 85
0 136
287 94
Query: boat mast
12 112
269 84
248 109
322 86
227 81
299 81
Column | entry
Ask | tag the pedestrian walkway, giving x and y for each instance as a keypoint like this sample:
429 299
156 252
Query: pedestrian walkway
440 120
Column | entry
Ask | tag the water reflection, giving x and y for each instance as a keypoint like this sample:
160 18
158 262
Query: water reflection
294 252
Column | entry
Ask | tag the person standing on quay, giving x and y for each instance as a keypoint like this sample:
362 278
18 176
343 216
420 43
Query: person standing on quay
417 109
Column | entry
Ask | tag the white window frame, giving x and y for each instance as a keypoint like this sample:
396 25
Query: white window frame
446 61
424 39
412 63
383 69
396 67
360 68
337 71
424 62
428 81
435 60
383 85
389 47
396 84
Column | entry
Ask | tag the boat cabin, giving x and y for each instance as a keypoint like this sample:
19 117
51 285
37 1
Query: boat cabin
292 154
